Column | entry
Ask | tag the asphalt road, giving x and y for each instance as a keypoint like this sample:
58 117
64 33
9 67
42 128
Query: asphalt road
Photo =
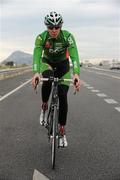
93 131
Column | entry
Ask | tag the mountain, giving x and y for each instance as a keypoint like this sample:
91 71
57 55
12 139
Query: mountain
19 57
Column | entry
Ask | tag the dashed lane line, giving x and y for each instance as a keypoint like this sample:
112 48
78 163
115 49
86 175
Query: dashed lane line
95 90
14 90
89 87
86 85
38 176
110 101
117 108
101 95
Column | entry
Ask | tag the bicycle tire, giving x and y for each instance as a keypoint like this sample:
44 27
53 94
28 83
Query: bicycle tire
53 139
49 121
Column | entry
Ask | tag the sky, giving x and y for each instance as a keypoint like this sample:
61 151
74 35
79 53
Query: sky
95 25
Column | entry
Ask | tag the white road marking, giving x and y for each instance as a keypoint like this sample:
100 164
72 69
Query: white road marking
38 176
111 101
86 85
95 90
104 69
101 95
14 90
117 108
89 87
115 77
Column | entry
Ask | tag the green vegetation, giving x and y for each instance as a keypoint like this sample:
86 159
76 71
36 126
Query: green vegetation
3 66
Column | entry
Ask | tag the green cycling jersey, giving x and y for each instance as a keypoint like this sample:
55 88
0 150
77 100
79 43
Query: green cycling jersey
55 50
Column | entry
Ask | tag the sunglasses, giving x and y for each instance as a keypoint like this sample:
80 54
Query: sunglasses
52 27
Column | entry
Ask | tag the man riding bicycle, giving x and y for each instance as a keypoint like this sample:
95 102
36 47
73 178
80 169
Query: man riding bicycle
52 50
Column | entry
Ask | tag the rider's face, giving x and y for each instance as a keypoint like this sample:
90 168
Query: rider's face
54 32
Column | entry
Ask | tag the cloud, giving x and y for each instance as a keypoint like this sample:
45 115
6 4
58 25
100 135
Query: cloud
90 14
99 2
97 42
26 8
91 21
4 2
9 45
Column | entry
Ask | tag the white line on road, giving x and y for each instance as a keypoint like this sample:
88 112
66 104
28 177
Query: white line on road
117 108
95 90
14 90
111 101
38 176
86 85
101 95
103 69
89 87
115 77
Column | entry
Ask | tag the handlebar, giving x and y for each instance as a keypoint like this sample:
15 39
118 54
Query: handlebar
53 79
75 81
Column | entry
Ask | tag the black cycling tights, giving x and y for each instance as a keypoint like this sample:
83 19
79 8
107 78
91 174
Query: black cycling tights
62 94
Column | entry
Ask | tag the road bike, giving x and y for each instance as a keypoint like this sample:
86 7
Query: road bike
52 124
52 117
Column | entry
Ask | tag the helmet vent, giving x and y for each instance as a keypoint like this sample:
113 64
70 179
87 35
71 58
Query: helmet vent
53 19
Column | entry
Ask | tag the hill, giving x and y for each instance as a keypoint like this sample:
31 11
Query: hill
19 57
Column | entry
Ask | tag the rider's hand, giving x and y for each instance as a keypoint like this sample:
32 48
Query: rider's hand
35 80
76 80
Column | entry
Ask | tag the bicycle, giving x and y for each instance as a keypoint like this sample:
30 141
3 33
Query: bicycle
52 118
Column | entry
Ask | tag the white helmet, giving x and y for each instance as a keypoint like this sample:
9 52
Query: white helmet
53 19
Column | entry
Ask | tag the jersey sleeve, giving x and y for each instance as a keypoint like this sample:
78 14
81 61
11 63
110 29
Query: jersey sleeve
37 55
73 52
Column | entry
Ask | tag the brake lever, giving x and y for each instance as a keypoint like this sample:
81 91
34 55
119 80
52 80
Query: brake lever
75 91
36 87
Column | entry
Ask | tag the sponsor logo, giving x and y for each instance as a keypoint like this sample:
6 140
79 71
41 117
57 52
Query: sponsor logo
47 44
70 40
59 44
57 50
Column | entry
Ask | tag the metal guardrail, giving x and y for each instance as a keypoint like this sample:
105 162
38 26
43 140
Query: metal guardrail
7 73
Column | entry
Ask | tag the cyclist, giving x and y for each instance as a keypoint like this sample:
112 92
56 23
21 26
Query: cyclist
52 50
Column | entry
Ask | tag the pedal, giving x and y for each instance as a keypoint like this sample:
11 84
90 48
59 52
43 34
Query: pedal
46 126
43 123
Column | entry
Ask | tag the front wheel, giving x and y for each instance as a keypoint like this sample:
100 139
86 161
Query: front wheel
53 137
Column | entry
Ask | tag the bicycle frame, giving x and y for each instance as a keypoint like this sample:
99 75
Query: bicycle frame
52 119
